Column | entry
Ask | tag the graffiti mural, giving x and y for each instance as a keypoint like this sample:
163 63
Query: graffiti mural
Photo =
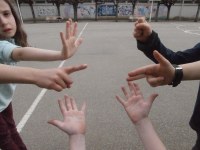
87 11
142 10
106 10
84 11
125 10
46 11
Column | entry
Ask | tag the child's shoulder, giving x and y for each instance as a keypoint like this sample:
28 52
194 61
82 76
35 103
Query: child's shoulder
7 45
7 41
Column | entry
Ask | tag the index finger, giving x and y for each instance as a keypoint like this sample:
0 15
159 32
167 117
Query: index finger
72 69
146 70
137 77
138 71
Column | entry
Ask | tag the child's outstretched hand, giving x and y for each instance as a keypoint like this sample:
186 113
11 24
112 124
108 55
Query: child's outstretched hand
69 41
134 104
56 78
73 119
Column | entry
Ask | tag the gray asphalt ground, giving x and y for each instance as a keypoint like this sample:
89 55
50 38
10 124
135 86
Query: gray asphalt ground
110 51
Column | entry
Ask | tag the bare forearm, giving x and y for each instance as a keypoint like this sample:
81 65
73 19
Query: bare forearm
35 54
77 142
148 135
14 74
191 71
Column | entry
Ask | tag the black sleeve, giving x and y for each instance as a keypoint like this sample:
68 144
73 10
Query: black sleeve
180 57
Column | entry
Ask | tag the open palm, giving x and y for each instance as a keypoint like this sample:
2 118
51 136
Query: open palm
69 41
73 119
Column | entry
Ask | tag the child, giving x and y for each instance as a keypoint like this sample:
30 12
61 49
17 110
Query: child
11 33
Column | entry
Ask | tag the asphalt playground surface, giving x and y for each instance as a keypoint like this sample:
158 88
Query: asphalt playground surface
110 51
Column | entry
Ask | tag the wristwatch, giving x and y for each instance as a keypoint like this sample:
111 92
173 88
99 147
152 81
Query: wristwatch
178 76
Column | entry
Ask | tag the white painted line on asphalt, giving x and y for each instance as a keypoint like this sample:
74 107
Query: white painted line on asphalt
29 112
184 29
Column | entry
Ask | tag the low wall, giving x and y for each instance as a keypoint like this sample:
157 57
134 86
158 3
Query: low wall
107 11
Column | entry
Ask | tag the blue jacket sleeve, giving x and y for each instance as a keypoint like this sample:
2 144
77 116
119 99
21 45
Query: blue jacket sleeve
180 57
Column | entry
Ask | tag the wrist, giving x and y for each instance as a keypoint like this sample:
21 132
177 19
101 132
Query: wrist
178 75
78 135
28 75
33 78
142 122
77 141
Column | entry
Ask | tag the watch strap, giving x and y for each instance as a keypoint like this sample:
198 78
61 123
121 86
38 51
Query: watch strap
178 76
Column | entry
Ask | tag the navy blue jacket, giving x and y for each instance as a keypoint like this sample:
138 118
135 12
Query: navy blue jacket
180 57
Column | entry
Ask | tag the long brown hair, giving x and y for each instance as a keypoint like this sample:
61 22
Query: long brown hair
20 35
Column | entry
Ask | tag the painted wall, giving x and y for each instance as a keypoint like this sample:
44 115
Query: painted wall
87 10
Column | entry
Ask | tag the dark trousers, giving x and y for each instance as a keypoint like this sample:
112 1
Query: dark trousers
195 121
9 137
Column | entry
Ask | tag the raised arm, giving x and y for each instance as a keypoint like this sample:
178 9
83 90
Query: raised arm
138 110
73 122
69 41
148 41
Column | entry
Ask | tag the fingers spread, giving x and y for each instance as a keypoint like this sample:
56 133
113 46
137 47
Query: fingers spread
131 88
137 89
74 29
151 98
120 100
83 108
125 92
56 123
67 29
62 106
68 103
73 102
78 42
62 36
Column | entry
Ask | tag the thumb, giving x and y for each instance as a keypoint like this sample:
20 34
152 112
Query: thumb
141 20
161 60
55 122
154 81
151 98
72 69
78 42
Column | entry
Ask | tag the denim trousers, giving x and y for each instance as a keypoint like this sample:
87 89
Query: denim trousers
9 137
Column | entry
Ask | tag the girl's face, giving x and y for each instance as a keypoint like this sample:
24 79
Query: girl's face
7 21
